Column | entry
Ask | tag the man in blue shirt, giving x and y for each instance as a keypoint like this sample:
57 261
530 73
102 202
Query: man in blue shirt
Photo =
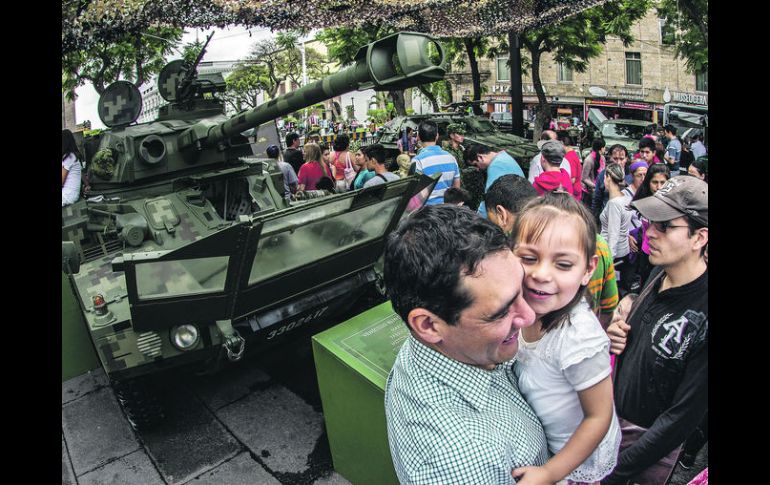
496 164
673 149
433 159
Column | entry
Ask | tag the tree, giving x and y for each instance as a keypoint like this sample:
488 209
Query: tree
135 58
473 48
689 18
315 62
574 41
343 44
244 84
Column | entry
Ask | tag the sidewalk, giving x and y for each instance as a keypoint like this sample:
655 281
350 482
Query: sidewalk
240 426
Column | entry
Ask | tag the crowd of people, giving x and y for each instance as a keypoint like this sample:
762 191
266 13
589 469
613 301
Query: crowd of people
559 332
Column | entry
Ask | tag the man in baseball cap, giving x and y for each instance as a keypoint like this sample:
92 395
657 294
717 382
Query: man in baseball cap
661 372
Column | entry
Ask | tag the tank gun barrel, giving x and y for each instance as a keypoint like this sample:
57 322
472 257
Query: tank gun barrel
398 61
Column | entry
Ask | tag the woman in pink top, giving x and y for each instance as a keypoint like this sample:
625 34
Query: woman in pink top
313 169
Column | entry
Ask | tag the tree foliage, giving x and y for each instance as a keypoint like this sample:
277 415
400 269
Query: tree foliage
459 49
135 58
689 18
576 40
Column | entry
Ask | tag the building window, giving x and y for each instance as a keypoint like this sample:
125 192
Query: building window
634 68
702 81
565 73
503 71
667 32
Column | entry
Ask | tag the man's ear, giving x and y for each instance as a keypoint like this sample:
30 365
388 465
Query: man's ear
424 324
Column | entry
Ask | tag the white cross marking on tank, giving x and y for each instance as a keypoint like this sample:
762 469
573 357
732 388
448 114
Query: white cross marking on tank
114 108
162 211
170 85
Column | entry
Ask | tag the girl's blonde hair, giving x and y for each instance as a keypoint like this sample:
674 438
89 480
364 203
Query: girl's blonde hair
538 215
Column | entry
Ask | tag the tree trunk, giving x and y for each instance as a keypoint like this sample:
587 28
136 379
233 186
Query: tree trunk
431 98
544 109
398 101
449 91
470 44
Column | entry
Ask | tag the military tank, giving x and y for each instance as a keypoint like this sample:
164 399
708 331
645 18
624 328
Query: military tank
185 252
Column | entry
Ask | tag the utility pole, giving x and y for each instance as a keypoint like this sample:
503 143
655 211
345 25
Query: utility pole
517 99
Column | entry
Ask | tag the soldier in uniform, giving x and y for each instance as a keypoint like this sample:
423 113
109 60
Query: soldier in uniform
453 144
471 178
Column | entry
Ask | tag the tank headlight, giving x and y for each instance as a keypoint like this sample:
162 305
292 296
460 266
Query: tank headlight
184 337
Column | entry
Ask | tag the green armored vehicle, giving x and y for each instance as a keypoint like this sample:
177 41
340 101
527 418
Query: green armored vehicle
186 253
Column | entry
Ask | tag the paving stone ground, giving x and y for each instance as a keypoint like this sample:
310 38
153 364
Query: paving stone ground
257 422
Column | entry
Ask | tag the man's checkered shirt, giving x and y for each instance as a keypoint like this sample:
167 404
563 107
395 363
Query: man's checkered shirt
450 422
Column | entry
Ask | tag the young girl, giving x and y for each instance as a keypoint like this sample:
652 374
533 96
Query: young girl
563 362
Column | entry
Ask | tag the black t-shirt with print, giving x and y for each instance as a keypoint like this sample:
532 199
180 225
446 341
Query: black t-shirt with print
661 378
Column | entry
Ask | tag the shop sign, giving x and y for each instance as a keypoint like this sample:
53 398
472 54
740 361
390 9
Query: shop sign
689 98
633 105
630 93
601 102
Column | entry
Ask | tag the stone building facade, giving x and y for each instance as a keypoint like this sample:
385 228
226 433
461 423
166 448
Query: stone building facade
629 82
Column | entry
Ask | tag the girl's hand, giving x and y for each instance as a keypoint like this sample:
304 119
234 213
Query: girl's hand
532 475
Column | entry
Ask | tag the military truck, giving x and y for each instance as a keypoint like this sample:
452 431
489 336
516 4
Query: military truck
185 252
625 132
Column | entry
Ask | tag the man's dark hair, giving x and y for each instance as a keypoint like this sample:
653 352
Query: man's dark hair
510 191
455 195
375 151
482 150
692 228
471 154
290 139
429 252
545 135
341 143
273 151
670 128
427 131
647 143
565 140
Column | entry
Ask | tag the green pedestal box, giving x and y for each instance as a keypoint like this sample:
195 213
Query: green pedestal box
352 361
77 352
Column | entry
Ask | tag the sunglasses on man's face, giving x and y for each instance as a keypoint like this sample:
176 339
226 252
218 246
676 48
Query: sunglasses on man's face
663 226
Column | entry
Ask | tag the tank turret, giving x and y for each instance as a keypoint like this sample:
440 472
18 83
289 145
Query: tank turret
192 134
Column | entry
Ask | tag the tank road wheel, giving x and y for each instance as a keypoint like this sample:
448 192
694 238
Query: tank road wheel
139 400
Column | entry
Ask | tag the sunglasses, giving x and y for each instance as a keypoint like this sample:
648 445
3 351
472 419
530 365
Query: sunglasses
662 226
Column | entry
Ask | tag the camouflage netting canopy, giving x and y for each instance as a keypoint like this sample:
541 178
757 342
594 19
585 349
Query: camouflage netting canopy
88 22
